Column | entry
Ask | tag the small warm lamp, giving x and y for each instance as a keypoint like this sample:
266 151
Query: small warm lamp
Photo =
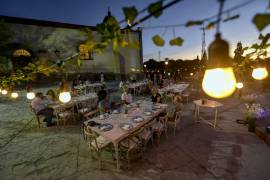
64 95
14 95
239 85
30 94
4 92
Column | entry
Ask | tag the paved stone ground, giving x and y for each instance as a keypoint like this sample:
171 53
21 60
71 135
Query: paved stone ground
196 152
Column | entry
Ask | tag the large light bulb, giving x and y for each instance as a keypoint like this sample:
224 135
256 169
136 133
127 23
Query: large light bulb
14 95
64 97
259 73
30 95
219 82
4 92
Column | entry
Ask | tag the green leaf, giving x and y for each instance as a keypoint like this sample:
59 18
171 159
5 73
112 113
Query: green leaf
158 41
265 39
176 41
231 18
255 46
130 13
155 9
211 25
261 20
245 48
194 23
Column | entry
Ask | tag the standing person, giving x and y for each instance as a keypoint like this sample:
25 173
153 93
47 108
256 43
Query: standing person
102 79
155 79
39 104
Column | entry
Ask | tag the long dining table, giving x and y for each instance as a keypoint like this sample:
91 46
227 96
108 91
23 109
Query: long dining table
117 134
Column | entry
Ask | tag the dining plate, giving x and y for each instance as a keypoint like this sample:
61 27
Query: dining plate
126 126
148 113
137 119
105 127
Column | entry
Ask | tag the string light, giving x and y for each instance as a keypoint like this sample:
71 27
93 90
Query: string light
14 95
64 95
259 73
239 85
4 92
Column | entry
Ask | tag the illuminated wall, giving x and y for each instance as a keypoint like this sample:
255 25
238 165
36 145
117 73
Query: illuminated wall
56 42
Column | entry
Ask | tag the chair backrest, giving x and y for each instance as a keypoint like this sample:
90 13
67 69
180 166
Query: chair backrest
178 115
133 137
91 136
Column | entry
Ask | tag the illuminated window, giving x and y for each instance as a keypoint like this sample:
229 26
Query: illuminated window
84 53
21 52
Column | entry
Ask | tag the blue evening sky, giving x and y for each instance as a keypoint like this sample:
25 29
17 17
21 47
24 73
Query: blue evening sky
91 12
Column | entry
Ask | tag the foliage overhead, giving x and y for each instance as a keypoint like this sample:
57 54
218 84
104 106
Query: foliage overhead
194 23
158 41
178 41
130 13
155 9
261 20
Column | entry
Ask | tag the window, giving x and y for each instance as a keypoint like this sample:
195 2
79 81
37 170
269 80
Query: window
21 52
84 53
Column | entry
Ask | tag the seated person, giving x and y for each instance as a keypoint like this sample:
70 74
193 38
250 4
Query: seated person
102 93
156 97
39 104
51 96
126 97
103 100
177 101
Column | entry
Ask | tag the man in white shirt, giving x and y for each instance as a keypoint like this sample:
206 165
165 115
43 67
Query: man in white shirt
39 104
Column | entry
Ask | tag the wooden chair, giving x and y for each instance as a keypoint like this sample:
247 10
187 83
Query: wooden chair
147 134
97 144
175 121
131 145
83 107
65 114
39 118
91 114
160 127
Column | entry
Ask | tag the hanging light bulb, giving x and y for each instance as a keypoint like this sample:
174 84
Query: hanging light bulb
64 95
239 85
30 94
14 95
219 80
4 92
259 73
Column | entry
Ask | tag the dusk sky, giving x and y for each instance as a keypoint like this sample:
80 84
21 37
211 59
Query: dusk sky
91 12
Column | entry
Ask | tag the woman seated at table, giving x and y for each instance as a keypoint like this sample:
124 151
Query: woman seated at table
51 95
126 97
156 97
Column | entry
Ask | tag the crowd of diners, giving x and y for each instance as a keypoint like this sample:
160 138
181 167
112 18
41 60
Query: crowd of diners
40 103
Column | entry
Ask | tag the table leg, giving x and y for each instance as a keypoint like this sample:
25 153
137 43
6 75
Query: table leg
216 113
116 147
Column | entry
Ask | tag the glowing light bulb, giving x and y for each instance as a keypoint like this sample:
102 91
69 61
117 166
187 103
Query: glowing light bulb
14 95
239 85
191 74
64 97
166 62
259 73
219 82
4 92
30 95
